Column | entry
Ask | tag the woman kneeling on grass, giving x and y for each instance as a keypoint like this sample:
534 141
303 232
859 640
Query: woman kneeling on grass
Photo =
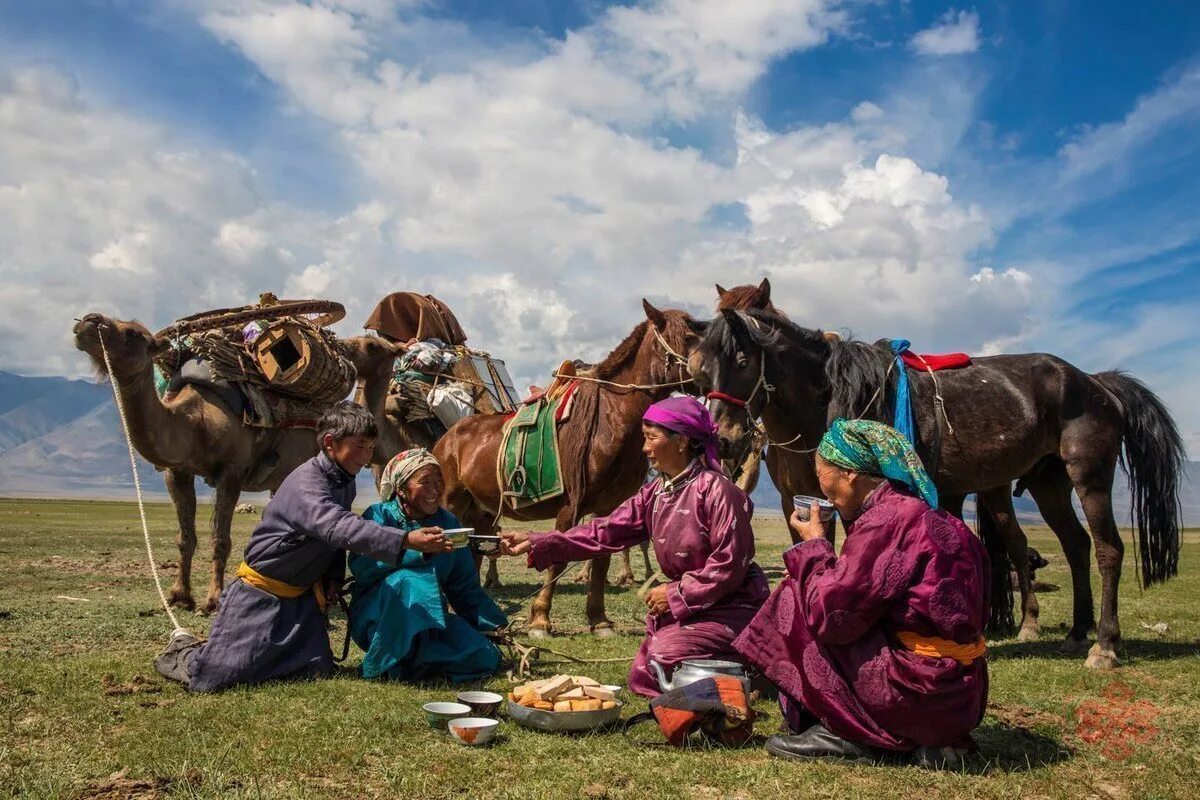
699 524
398 613
879 651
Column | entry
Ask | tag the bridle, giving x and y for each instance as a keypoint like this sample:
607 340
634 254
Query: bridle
768 389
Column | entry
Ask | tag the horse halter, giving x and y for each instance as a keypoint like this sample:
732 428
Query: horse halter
670 356
762 383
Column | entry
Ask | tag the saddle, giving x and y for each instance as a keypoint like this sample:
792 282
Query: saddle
530 469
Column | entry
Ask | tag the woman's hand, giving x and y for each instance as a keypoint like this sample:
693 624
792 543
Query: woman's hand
811 528
656 600
514 543
430 541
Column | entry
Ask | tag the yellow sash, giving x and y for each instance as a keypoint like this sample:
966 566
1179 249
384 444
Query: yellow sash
937 647
278 588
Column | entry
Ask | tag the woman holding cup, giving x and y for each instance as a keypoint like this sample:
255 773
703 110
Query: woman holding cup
879 650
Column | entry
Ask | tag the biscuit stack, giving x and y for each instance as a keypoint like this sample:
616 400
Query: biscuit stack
564 693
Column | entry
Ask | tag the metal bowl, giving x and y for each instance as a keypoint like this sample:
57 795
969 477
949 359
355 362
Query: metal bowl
563 721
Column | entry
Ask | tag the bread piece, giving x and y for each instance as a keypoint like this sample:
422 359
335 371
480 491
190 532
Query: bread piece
585 705
542 705
574 694
562 705
582 680
554 687
599 693
607 704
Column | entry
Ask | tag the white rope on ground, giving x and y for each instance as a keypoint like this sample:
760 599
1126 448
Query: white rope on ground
137 484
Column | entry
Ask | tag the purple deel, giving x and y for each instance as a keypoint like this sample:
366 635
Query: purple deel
826 637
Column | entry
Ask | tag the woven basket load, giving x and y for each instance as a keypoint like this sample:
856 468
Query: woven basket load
292 355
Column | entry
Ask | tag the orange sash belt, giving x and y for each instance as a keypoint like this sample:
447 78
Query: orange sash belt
279 588
937 647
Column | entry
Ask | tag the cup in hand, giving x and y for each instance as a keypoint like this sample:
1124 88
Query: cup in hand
803 503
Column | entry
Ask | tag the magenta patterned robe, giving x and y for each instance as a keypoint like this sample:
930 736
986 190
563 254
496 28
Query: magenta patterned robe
826 637
700 529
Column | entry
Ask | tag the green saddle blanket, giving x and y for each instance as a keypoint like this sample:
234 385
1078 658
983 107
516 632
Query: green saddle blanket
529 462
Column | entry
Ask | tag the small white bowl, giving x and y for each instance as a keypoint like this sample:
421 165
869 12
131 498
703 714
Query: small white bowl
438 714
612 687
473 731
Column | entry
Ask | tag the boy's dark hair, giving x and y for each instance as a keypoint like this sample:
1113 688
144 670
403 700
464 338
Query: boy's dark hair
344 419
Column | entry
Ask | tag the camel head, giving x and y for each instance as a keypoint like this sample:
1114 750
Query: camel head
372 356
130 345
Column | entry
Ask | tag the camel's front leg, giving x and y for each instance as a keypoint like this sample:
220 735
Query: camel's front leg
224 503
182 488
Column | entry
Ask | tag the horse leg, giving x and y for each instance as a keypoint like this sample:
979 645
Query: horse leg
625 576
1051 490
1093 484
222 520
999 502
182 488
598 620
539 609
585 573
646 560
785 503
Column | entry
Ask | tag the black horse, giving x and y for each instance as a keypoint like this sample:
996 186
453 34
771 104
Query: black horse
1033 418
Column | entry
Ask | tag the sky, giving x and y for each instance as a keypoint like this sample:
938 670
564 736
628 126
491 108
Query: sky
995 177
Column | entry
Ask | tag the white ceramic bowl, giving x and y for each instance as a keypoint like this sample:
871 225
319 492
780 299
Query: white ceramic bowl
438 714
457 536
473 731
614 688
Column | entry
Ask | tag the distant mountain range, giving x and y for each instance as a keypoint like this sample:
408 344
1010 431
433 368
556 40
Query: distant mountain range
62 438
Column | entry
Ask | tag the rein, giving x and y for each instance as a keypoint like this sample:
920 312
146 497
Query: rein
671 358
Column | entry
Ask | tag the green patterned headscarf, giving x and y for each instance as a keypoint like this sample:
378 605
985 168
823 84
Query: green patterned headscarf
873 448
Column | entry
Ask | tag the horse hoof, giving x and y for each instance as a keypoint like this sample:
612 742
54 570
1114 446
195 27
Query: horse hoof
539 633
1028 635
1099 658
604 631
623 580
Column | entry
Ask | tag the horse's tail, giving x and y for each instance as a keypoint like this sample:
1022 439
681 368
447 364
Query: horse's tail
1001 603
1152 458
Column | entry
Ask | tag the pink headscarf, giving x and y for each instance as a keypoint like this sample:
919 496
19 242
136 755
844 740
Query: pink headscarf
690 417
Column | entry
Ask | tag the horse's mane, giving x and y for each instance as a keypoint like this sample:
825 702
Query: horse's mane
856 369
623 353
766 329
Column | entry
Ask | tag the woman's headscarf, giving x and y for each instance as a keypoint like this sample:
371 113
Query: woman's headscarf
690 417
877 449
402 467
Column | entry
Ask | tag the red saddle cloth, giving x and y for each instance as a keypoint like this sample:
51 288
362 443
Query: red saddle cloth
935 362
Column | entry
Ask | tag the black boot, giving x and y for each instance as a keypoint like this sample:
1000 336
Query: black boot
817 742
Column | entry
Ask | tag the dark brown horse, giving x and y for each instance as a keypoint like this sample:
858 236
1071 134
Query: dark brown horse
1031 417
600 447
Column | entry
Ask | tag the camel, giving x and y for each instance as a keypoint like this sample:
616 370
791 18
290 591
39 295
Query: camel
195 434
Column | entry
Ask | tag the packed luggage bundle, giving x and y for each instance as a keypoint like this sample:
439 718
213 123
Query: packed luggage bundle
280 346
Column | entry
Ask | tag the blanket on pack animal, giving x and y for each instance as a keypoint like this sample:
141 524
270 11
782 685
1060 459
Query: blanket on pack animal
404 316
530 468
935 363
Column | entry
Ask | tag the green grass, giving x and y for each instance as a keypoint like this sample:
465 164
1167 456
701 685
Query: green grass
65 730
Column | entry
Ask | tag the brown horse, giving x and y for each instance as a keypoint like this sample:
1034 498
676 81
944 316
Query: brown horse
1030 417
600 446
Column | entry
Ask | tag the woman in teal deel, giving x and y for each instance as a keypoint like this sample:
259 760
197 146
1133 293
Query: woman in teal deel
401 615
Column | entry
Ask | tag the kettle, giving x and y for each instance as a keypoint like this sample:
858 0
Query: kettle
698 669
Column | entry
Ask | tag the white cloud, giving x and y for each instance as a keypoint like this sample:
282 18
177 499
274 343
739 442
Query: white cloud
528 185
955 34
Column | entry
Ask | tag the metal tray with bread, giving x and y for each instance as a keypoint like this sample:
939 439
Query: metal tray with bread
564 703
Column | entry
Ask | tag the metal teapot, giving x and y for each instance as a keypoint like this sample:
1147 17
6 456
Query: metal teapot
698 669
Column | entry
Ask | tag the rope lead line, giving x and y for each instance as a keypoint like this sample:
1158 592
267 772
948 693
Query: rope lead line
137 484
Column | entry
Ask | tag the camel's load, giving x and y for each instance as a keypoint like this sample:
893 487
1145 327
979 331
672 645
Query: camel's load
280 346
438 380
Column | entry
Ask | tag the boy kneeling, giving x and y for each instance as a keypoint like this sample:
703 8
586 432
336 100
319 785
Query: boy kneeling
271 623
